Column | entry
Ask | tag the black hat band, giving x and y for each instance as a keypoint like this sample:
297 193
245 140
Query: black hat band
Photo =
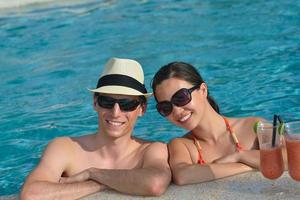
121 80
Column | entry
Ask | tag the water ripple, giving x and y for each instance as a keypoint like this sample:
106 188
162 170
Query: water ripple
248 52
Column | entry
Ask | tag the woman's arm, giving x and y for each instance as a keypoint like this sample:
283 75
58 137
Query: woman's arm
186 172
194 173
250 155
250 158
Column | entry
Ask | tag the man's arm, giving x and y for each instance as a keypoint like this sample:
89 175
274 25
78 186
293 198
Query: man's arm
47 190
150 180
185 172
43 182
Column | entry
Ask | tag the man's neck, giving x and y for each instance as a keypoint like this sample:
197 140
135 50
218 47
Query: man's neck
114 147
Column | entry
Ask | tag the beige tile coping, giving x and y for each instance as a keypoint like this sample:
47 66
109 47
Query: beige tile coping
246 186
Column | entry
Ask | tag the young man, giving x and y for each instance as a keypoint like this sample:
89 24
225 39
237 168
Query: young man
71 168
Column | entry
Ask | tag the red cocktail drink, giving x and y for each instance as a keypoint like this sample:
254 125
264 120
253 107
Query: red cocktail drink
271 162
292 140
293 153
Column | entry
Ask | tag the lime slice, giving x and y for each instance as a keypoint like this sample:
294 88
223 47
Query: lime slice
255 125
281 128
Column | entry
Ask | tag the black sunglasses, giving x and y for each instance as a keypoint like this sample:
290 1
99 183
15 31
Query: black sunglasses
126 105
180 98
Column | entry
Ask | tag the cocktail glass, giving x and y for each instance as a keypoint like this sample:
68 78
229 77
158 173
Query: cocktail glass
292 139
271 160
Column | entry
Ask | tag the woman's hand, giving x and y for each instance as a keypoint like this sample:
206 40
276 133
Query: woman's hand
247 157
231 158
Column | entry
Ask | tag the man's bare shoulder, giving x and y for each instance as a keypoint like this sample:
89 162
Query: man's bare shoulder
68 143
156 154
148 146
59 146
156 149
157 145
54 160
60 143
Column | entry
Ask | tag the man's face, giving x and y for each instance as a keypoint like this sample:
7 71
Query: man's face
117 113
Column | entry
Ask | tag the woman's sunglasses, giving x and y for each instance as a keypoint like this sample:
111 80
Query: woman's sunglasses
180 98
126 105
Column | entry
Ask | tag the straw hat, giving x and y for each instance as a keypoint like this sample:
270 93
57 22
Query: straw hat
122 76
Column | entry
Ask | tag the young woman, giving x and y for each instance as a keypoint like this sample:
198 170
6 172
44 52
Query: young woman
215 146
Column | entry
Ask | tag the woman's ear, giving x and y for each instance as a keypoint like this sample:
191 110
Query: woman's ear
203 89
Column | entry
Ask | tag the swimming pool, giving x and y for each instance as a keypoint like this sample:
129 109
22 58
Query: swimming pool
247 51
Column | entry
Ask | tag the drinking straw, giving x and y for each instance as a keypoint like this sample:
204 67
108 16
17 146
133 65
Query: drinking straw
274 130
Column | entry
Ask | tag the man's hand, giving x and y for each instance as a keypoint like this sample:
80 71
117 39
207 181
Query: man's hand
80 177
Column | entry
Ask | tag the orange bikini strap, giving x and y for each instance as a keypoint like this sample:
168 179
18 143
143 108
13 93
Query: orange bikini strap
198 146
233 135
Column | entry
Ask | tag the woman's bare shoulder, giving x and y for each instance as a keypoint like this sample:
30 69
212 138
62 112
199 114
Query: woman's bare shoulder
185 141
246 121
245 126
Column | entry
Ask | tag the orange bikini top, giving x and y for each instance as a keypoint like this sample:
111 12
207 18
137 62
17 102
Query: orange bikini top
235 140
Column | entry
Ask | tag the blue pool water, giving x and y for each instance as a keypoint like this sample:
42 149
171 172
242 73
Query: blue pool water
247 51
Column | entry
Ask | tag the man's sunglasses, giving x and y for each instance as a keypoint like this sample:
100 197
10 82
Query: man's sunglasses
180 98
126 105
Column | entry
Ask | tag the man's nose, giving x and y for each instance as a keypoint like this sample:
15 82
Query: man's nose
116 110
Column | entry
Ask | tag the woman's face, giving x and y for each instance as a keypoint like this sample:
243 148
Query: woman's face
189 115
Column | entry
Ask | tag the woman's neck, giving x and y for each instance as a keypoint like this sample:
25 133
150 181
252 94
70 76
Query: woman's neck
210 127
